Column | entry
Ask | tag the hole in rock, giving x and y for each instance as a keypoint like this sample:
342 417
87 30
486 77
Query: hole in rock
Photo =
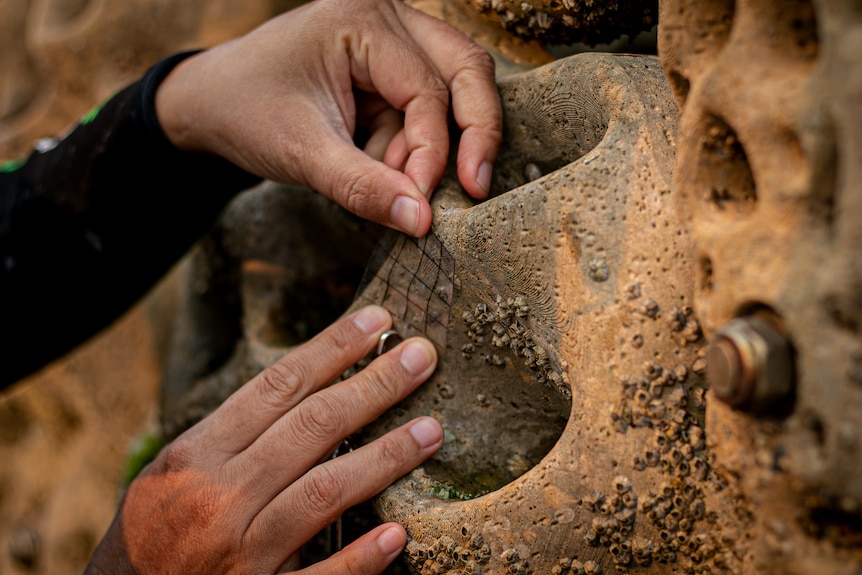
501 396
680 86
834 519
548 126
797 31
705 274
723 166
59 13
506 421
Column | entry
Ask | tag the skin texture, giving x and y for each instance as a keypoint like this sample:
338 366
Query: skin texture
286 101
243 490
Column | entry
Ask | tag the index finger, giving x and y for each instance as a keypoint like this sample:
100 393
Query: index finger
468 71
252 409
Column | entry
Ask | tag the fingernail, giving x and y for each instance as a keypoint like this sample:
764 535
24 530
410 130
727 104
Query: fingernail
405 214
483 176
391 541
417 356
371 319
426 432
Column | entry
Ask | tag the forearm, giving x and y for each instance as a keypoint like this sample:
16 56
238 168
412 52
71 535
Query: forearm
87 227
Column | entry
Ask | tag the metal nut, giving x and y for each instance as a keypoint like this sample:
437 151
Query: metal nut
750 364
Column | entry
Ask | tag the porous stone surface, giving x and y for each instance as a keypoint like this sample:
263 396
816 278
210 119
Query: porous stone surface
768 172
571 381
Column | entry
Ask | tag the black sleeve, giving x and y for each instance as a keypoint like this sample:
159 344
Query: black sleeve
92 221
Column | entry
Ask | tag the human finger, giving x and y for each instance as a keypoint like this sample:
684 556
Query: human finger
426 135
369 188
368 555
377 123
327 490
252 409
385 127
468 71
396 153
314 427
385 60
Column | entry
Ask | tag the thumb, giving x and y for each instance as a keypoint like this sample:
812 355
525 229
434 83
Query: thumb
368 188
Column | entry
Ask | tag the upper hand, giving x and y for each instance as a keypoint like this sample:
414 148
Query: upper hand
241 491
285 101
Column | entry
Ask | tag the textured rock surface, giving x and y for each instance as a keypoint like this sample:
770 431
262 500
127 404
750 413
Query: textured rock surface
571 381
769 162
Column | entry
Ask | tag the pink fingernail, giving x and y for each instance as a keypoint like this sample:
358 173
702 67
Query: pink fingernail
417 356
483 176
391 541
427 432
371 319
405 214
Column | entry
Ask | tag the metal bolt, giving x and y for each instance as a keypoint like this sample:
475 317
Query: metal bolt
750 364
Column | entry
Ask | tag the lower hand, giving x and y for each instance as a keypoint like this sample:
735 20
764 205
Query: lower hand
285 102
241 491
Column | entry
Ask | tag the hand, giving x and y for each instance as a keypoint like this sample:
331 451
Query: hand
242 490
285 102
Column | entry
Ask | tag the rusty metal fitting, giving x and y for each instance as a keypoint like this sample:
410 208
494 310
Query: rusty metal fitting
750 364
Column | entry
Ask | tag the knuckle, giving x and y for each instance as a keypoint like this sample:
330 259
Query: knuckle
176 456
320 419
479 59
354 566
283 381
357 194
391 452
322 492
383 382
491 133
342 338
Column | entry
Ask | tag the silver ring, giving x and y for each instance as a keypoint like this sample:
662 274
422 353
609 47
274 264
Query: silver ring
388 340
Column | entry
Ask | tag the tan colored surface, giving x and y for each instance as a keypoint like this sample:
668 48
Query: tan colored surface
58 58
63 441
588 430
769 170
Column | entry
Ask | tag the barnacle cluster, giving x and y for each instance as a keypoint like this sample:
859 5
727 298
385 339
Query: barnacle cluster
570 21
672 514
566 566
446 555
503 327
669 403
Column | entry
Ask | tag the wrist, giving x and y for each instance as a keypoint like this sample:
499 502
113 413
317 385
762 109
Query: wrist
166 101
